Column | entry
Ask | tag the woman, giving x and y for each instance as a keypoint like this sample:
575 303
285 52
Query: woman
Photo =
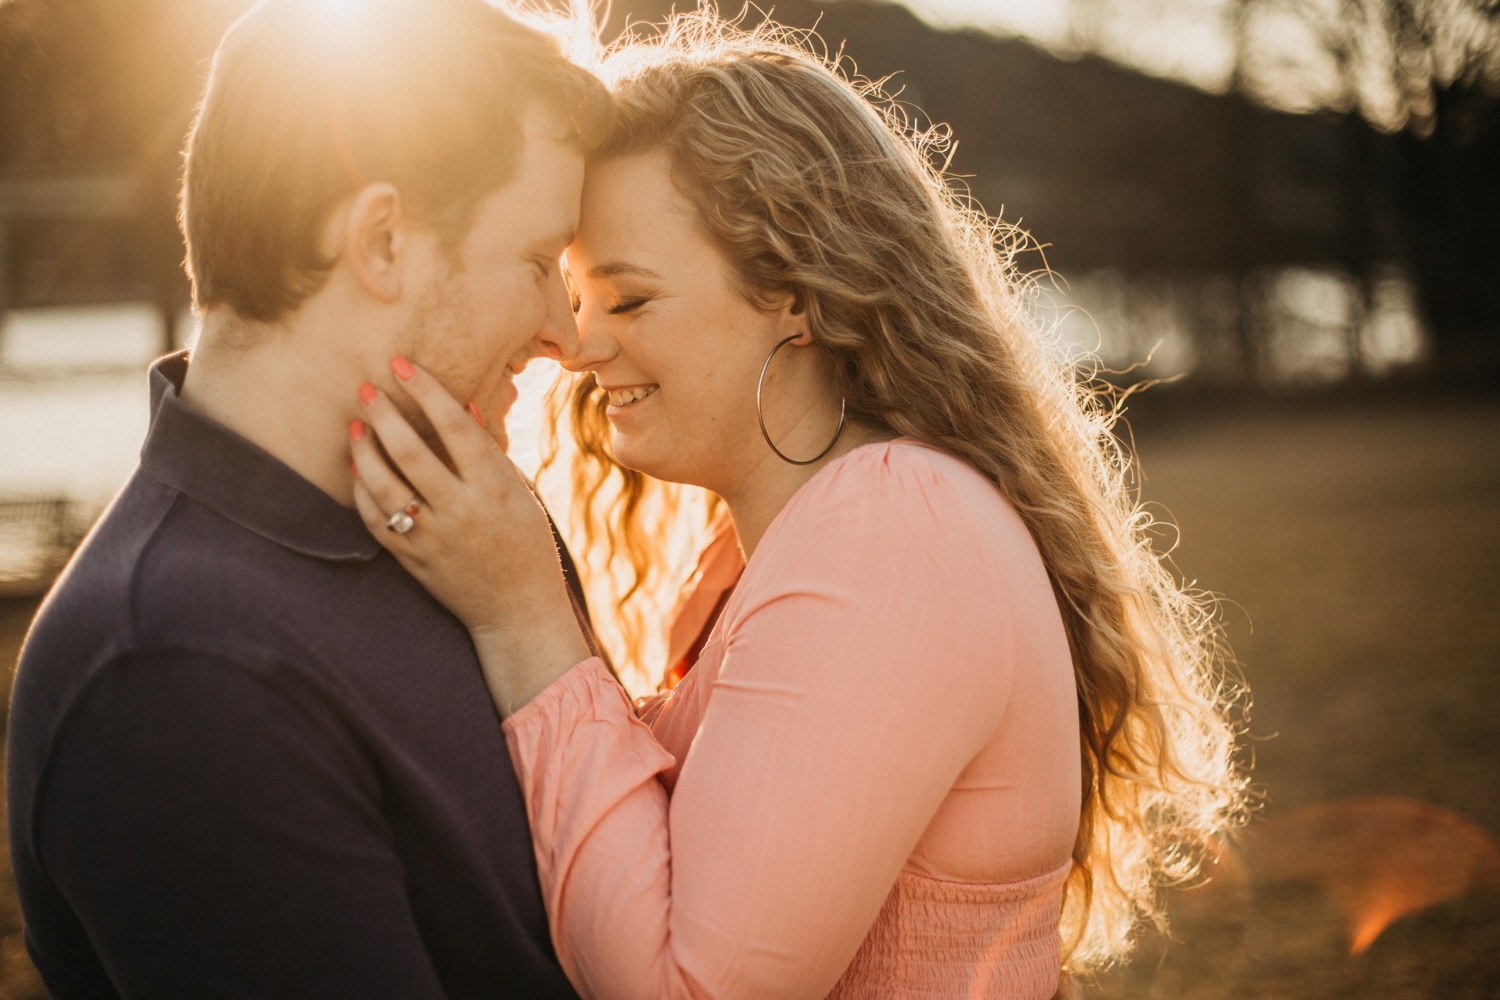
954 723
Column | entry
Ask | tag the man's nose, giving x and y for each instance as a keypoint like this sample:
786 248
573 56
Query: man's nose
559 335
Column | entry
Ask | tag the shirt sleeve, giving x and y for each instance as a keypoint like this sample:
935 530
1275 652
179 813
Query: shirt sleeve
217 839
865 665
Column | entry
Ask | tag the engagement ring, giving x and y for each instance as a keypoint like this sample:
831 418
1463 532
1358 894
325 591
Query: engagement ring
404 519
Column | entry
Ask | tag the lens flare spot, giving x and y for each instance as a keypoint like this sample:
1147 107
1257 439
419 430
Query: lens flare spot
1378 858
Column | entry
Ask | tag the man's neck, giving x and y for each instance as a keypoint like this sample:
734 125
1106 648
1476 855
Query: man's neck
276 394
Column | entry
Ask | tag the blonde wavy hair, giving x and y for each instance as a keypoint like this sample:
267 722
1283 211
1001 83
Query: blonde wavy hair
818 185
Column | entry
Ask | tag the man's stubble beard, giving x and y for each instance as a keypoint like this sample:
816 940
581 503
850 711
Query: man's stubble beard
441 318
444 317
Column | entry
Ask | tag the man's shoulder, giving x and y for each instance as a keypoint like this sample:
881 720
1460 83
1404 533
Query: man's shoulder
165 574
160 572
149 565
185 601
89 606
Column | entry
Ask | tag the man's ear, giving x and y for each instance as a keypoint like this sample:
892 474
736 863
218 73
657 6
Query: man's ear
375 240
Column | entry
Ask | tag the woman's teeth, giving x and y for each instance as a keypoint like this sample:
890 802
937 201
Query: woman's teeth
624 397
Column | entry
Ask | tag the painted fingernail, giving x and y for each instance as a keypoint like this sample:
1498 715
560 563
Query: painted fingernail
474 412
356 430
402 367
354 468
367 394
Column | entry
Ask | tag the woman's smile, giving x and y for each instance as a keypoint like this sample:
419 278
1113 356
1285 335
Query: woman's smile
625 403
619 399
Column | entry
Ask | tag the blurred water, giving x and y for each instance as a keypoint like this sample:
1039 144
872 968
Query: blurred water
73 406
73 398
1283 327
63 341
74 409
75 438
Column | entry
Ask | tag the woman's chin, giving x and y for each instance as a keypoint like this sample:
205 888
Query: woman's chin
648 462
629 454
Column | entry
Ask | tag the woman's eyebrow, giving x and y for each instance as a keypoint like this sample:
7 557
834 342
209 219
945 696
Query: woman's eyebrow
614 269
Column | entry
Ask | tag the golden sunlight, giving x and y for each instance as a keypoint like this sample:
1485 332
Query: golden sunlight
333 21
343 9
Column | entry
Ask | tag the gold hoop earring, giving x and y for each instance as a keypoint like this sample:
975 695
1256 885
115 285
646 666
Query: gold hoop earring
760 415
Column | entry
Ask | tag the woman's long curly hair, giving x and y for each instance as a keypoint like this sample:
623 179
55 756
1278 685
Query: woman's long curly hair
820 187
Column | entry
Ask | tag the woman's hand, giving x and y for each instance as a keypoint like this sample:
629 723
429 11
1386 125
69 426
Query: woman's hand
475 535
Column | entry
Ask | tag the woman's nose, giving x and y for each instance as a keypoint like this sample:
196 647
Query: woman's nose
592 347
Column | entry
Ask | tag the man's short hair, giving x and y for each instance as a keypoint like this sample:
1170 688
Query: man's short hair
309 100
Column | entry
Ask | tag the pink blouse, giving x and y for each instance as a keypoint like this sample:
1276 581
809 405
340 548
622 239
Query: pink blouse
867 786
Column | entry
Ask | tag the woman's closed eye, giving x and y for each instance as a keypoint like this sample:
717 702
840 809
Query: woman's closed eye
626 305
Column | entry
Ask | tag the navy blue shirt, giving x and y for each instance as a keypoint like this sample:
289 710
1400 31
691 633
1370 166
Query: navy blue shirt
251 757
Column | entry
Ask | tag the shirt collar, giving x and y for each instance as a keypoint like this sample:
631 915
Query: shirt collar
207 461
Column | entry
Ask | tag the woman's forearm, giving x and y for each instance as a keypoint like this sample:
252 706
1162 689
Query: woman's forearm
520 660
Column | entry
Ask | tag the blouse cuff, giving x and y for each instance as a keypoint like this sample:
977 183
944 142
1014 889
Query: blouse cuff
579 682
578 743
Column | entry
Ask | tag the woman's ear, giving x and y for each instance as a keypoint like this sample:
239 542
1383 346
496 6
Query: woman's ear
792 313
375 240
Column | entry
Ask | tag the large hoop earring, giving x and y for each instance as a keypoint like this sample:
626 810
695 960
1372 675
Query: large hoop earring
761 416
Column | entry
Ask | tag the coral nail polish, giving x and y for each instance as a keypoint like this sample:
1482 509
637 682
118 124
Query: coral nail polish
402 367
367 394
356 430
354 468
474 412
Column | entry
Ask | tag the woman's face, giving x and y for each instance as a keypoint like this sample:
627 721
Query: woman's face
665 331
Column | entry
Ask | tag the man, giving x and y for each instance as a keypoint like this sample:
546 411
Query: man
249 756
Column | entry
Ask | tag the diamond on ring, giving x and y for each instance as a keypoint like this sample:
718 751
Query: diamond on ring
404 519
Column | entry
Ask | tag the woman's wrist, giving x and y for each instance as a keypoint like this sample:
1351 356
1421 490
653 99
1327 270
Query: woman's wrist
519 662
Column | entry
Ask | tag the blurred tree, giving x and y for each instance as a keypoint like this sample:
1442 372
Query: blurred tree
1428 70
1426 73
1416 65
103 88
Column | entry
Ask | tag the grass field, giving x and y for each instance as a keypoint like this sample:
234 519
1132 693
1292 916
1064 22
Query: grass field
1358 551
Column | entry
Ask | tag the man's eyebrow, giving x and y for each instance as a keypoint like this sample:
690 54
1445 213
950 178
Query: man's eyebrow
616 268
561 238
